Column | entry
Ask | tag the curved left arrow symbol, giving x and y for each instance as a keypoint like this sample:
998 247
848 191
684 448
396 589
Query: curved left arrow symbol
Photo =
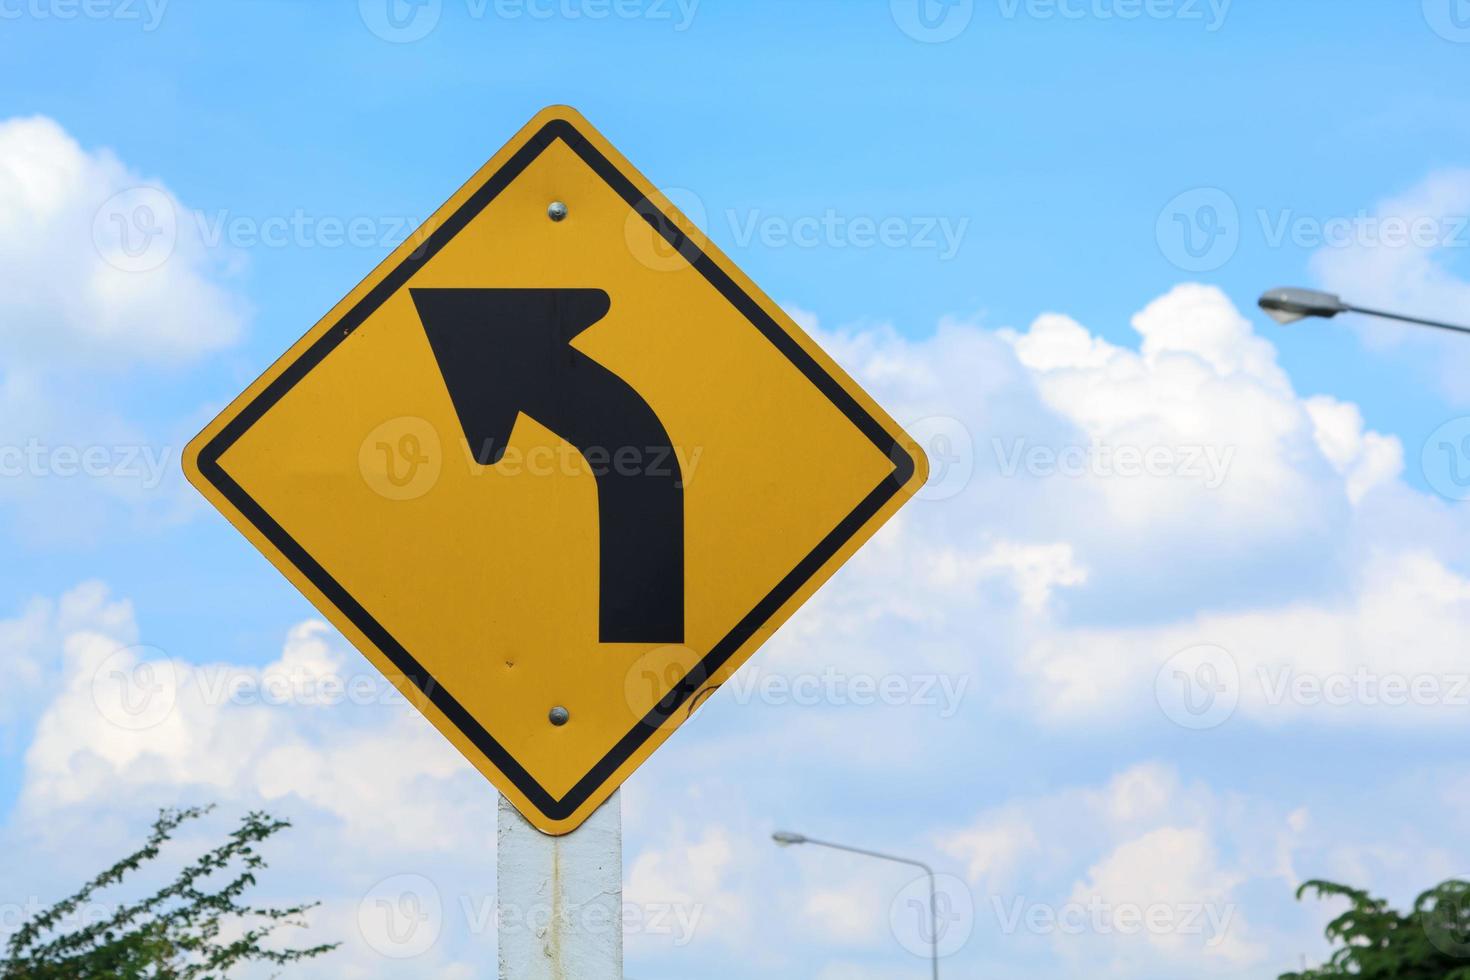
507 352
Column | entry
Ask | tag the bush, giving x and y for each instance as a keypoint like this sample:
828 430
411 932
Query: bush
174 934
1432 942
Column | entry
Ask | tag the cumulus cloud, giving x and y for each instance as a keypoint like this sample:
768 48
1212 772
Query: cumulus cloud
317 725
1143 501
683 888
1364 459
314 735
1143 871
1036 570
1388 653
101 277
32 642
97 265
1168 887
1187 468
1196 431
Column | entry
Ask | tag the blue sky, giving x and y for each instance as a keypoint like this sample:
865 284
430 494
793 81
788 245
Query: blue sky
1066 149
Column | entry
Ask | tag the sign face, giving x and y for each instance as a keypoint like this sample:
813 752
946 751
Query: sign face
557 468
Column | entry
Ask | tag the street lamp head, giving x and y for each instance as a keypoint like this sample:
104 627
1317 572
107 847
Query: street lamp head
786 839
1288 305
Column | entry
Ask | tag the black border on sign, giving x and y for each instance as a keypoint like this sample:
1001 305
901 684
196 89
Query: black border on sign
553 808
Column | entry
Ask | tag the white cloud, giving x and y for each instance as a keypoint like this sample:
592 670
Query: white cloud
1363 459
1035 569
1408 272
1168 888
1202 393
847 916
97 264
100 276
1409 259
31 643
1015 840
1185 469
1128 875
683 890
1307 552
994 849
136 717
314 736
1389 652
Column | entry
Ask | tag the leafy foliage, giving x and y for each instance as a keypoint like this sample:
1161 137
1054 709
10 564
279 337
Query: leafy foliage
178 933
1432 941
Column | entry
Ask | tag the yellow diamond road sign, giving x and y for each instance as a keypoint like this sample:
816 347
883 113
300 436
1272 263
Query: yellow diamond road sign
557 468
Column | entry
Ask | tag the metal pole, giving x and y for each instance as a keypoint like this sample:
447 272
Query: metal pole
1437 324
933 922
933 890
559 900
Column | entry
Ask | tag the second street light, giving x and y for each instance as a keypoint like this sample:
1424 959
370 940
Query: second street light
1289 304
785 838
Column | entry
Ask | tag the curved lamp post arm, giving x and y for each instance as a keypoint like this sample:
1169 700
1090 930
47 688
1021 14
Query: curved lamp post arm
872 854
786 839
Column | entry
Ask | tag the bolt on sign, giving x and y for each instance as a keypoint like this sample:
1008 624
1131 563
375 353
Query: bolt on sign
557 468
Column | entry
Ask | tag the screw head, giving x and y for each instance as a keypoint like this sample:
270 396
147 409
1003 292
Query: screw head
556 211
560 716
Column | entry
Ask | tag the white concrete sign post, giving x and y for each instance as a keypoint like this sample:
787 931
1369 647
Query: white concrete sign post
560 899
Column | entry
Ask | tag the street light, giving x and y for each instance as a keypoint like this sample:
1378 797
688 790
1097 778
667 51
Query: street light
1288 305
784 838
